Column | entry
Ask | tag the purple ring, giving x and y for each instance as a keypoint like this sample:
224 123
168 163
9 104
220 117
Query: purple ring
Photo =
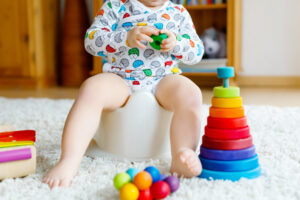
227 154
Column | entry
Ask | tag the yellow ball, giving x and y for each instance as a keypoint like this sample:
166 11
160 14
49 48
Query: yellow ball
129 192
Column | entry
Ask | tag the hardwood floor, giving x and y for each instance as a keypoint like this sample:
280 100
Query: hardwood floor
251 95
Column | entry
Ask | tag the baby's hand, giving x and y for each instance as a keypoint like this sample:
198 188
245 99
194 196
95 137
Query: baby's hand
137 34
169 43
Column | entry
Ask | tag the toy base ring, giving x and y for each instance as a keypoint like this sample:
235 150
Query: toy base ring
226 123
227 154
233 176
227 134
212 143
230 166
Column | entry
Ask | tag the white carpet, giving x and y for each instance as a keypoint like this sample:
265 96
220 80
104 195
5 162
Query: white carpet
276 133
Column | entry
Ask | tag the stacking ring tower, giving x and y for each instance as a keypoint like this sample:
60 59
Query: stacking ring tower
227 151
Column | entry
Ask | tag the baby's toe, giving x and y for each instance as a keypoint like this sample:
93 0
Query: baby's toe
65 182
55 183
50 182
45 180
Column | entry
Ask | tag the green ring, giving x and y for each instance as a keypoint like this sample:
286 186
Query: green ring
157 40
231 92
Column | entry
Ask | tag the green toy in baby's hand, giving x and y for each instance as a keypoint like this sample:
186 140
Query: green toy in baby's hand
157 40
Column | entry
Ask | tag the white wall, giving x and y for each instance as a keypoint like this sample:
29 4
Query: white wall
271 38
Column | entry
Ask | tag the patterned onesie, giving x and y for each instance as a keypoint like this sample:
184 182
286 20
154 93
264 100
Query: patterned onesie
142 68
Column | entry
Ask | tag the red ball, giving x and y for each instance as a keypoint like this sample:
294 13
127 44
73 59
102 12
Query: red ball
160 190
145 195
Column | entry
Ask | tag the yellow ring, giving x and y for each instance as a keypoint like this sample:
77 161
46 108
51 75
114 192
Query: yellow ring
227 102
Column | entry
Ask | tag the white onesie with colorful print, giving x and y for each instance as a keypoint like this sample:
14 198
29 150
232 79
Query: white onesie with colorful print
142 68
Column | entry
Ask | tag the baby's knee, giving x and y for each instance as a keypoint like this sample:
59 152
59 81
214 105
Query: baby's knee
100 82
191 99
189 96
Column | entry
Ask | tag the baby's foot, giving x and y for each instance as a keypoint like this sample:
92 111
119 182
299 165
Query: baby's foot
186 163
61 174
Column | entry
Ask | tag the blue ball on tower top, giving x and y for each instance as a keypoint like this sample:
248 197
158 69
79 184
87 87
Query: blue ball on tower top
132 172
154 172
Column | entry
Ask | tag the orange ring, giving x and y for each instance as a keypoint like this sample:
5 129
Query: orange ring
226 112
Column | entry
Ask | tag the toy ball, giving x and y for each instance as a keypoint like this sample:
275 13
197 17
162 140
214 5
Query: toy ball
142 180
132 172
145 195
154 172
120 180
173 182
160 190
162 177
129 192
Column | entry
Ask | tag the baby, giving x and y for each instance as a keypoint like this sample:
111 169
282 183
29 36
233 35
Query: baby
121 35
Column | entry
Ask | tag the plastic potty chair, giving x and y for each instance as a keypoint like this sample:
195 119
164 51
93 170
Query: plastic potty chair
139 130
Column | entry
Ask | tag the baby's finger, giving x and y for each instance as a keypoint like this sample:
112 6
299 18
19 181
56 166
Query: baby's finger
167 41
167 46
166 31
145 37
171 38
148 30
140 45
164 49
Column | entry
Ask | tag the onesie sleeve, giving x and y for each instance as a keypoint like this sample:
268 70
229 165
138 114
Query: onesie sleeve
103 37
189 48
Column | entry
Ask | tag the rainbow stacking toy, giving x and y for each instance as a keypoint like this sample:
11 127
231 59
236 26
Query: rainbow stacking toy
227 151
17 153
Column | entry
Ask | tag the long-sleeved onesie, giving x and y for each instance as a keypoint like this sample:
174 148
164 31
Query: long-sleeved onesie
142 68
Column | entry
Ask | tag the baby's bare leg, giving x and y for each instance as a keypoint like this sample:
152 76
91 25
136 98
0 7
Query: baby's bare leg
180 95
101 92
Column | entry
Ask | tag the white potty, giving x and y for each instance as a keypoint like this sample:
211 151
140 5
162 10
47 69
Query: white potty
139 130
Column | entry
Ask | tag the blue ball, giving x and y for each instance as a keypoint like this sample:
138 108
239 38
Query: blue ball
162 177
153 171
132 172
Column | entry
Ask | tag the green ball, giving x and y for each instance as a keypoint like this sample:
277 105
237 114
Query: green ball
157 40
120 180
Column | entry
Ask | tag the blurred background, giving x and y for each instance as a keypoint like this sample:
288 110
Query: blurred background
42 52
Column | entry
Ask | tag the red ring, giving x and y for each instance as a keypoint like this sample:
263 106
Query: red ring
212 143
227 134
226 123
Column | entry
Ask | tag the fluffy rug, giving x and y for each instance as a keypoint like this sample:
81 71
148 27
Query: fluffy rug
276 133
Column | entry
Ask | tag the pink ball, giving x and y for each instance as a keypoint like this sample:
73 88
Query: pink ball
160 190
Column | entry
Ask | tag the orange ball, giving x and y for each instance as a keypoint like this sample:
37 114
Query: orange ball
142 180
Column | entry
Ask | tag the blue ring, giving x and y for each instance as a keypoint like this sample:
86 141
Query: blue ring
233 176
230 166
227 154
